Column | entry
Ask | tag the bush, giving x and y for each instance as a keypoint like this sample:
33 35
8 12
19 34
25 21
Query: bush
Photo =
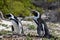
18 7
31 27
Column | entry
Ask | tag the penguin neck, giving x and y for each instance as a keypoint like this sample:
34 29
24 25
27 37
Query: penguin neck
16 21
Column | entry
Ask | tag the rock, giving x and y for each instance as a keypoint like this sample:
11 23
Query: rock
1 36
46 5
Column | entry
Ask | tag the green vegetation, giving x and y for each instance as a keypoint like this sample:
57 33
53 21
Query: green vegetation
28 38
3 25
31 27
4 32
18 7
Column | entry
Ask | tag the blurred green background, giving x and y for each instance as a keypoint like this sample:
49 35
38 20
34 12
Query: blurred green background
18 7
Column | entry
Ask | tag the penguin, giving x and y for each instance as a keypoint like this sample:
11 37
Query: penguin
14 20
42 29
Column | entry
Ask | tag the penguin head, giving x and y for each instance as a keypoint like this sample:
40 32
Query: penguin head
10 16
35 13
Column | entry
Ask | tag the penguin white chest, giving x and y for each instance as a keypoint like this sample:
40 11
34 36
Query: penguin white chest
15 26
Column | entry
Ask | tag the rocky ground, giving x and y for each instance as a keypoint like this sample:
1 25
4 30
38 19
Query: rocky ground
54 29
30 28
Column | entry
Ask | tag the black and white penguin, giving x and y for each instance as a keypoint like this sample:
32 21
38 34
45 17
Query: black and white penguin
15 23
42 28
